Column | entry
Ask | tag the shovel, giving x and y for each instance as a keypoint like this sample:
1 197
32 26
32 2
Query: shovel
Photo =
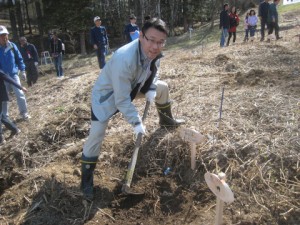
126 186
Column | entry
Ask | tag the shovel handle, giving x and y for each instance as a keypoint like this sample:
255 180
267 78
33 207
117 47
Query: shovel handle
138 142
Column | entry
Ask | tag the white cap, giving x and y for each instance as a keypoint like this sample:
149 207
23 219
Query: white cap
3 30
96 18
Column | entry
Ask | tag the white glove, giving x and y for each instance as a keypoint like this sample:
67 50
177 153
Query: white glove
150 96
139 129
36 63
23 75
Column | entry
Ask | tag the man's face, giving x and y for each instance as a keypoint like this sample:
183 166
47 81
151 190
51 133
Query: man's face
133 21
98 23
152 42
226 7
22 42
3 39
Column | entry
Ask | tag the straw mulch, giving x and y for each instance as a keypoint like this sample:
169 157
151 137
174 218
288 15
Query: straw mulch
255 142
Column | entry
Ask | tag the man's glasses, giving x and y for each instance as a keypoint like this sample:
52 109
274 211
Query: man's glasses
159 44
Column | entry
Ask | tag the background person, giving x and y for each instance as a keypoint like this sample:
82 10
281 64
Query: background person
56 52
131 72
263 16
273 20
234 22
99 41
11 62
224 24
31 60
4 98
252 23
131 30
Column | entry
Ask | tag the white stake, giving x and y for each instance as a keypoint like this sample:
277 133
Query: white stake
193 137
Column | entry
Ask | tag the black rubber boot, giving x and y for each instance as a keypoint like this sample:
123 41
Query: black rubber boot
88 165
165 116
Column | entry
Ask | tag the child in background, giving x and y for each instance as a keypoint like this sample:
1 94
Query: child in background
252 21
246 27
4 97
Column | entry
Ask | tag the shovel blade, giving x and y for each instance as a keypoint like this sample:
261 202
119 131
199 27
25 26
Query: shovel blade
126 190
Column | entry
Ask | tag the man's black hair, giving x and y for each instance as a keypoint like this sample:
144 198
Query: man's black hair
156 23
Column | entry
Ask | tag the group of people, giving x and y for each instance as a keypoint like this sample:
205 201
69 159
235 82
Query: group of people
10 64
268 16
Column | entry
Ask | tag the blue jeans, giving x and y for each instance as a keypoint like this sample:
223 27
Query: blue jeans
21 100
224 35
101 52
58 65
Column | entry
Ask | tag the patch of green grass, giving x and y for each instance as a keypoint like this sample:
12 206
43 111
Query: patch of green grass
288 8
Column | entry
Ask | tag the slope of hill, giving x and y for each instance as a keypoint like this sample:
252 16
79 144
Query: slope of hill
256 143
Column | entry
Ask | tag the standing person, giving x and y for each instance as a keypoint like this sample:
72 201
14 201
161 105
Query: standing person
273 20
132 72
234 22
263 16
31 60
131 30
11 62
4 98
246 27
252 21
56 52
224 24
99 40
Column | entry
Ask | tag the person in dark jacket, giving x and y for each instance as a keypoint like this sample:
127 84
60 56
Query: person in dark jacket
31 60
263 16
273 20
99 41
56 52
131 30
4 98
224 24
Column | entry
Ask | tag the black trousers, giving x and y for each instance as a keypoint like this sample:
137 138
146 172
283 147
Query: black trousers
273 26
229 37
32 73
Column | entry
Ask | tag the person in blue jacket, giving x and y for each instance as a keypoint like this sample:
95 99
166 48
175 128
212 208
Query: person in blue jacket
4 97
99 41
131 30
11 62
31 60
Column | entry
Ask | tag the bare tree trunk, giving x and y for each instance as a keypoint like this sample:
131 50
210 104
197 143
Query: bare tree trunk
40 26
28 19
185 15
158 11
172 5
19 19
82 43
13 24
214 7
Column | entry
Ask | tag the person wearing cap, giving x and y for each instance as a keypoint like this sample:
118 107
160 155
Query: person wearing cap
56 52
31 60
11 62
131 30
99 41
132 72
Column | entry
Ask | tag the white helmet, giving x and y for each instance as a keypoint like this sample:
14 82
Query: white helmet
3 30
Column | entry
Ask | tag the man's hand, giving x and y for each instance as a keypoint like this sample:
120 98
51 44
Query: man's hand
24 89
150 96
95 46
139 129
36 64
23 76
